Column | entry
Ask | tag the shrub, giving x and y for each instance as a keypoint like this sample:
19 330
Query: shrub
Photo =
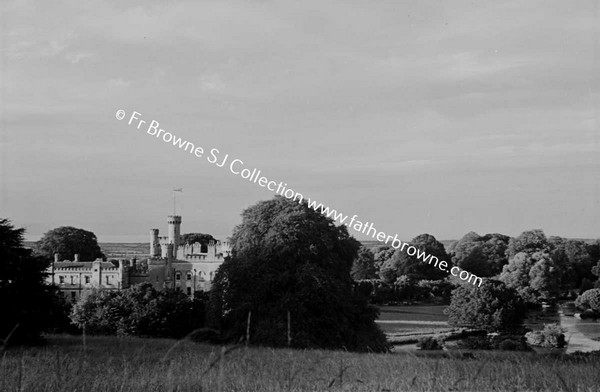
492 307
140 311
438 288
589 314
553 335
475 343
509 345
429 343
590 299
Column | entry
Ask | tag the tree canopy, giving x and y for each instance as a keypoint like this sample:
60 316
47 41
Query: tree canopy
411 266
482 255
529 241
192 238
535 276
492 307
364 266
590 299
141 311
575 258
289 278
68 241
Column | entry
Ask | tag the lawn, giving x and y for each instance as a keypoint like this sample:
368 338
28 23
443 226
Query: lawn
136 364
412 318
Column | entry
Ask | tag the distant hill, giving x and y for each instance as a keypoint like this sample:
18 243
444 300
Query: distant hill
116 250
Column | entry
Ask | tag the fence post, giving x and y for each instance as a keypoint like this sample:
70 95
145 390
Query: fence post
289 327
248 327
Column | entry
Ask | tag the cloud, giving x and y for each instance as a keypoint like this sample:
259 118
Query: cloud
74 58
466 65
211 83
119 82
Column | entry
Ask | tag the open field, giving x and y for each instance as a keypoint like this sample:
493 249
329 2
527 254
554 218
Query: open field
135 364
139 250
401 319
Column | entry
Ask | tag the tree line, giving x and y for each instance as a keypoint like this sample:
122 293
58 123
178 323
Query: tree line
296 279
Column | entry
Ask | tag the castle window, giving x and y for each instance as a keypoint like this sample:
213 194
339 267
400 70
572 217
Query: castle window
61 279
73 295
107 279
71 279
178 276
189 291
87 279
189 276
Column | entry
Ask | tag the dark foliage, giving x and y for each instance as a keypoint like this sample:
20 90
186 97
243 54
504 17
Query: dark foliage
481 255
68 241
493 307
405 289
292 264
412 266
501 342
192 238
575 260
535 276
27 303
429 343
141 311
364 266
530 241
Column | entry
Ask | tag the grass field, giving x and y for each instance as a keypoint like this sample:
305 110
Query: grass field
135 364
394 319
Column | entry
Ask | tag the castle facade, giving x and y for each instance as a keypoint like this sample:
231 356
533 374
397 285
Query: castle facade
171 264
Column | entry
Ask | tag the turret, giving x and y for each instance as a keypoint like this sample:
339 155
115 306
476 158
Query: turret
174 227
154 246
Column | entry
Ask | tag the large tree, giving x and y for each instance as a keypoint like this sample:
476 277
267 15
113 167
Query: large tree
29 306
535 276
492 307
289 278
68 241
576 260
364 266
529 241
482 255
412 266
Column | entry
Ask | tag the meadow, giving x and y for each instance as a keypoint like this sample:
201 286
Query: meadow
137 364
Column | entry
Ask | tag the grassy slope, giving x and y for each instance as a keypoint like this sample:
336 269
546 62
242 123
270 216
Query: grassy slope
134 364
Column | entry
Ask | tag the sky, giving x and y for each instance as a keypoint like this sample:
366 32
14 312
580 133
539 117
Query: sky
419 116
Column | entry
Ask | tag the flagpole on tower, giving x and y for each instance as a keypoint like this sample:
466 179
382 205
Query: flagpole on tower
174 199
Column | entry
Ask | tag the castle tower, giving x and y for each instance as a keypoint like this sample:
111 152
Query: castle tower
154 245
174 227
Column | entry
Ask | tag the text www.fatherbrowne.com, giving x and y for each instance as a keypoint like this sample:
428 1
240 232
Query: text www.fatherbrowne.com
236 166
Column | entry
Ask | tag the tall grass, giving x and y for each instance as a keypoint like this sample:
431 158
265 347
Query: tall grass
135 364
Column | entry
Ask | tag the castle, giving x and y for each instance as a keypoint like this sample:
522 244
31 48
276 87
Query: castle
171 264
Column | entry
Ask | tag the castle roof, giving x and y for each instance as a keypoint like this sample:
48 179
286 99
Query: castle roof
82 264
